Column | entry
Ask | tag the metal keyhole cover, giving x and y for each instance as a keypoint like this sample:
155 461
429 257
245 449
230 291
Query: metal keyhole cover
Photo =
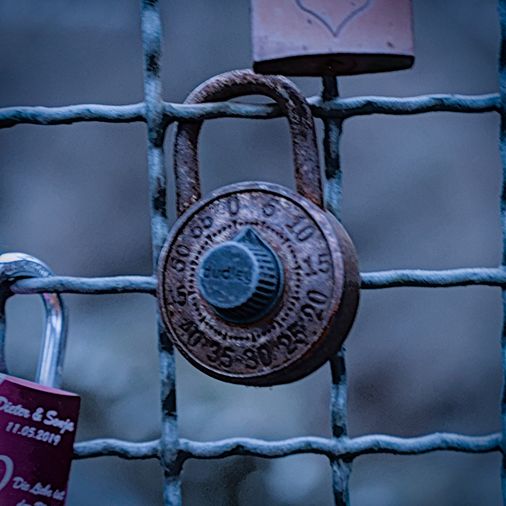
303 319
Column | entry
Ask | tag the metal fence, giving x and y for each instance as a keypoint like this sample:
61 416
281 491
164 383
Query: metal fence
173 451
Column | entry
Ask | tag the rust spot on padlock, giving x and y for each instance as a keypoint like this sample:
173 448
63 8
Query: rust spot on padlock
329 37
258 285
235 84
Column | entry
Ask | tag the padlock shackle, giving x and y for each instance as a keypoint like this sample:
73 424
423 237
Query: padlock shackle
240 83
14 266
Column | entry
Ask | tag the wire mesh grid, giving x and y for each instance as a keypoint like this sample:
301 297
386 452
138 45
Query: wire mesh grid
341 450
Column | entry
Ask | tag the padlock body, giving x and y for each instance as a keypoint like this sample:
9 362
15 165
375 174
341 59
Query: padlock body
329 37
37 432
315 307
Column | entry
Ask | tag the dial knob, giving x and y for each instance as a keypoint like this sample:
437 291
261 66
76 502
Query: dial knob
241 279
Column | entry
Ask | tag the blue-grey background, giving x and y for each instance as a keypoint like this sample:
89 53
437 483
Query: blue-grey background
418 192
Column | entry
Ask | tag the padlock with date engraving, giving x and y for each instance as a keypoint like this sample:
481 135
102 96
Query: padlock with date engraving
37 420
258 285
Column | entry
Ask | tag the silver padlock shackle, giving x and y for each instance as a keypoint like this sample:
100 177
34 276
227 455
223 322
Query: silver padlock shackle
232 85
14 266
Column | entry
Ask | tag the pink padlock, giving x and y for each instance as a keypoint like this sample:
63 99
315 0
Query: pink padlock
331 37
37 420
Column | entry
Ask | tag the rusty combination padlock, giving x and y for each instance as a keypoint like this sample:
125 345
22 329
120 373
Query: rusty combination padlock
331 37
37 420
258 285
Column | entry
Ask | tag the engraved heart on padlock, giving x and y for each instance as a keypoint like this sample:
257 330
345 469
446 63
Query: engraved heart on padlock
8 465
334 16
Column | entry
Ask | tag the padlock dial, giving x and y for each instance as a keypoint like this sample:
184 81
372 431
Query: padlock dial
304 321
242 278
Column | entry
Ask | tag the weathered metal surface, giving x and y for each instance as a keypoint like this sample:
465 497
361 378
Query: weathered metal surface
236 84
420 278
317 305
151 28
329 37
349 448
343 107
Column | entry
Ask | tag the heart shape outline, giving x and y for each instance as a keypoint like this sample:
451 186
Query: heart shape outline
9 470
335 31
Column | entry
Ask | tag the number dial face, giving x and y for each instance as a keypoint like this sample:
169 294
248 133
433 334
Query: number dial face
300 333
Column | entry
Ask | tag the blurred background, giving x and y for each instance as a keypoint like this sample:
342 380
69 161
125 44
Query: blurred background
419 191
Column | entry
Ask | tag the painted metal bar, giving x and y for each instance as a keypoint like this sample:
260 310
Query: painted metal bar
117 448
347 448
502 152
434 279
90 286
416 278
151 27
66 115
339 107
359 106
341 467
352 448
